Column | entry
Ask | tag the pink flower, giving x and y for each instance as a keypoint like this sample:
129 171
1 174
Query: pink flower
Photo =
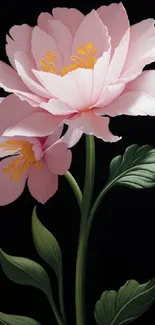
37 160
79 67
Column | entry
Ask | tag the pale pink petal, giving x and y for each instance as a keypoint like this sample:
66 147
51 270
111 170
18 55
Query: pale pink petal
20 41
38 124
41 43
115 18
1 99
118 58
63 38
53 137
70 17
91 124
75 88
99 75
32 99
141 48
56 107
71 137
12 111
42 183
43 19
58 158
144 83
92 30
131 103
23 66
109 93
9 189
11 82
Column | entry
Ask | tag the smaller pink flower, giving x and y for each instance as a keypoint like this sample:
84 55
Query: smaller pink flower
37 160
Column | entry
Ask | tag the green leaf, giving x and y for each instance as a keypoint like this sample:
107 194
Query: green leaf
135 169
46 245
122 307
16 320
24 271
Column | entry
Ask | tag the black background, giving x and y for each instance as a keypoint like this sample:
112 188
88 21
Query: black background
122 240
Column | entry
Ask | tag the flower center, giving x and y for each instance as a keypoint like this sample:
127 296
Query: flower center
86 62
23 162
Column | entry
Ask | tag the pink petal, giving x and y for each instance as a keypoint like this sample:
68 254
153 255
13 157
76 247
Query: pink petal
12 111
24 67
75 88
99 75
118 58
11 82
92 30
42 183
47 43
20 41
1 99
63 38
130 103
109 93
56 107
37 124
43 19
9 190
71 137
112 16
141 48
91 124
53 137
58 158
144 83
71 18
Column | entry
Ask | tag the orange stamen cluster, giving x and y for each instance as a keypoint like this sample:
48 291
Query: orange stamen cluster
23 162
86 62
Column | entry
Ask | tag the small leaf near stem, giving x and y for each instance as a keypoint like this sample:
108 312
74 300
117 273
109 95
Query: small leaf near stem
49 250
134 169
6 319
82 244
27 272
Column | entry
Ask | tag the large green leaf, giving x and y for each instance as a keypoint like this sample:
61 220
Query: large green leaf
122 307
46 245
16 320
25 271
136 168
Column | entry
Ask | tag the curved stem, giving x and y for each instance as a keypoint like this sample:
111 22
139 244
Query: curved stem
61 298
82 244
71 180
55 311
97 202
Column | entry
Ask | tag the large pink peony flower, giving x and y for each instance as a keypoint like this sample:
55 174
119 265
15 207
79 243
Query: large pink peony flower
37 160
80 68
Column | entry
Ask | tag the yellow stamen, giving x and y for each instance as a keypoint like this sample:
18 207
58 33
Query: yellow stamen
87 62
23 162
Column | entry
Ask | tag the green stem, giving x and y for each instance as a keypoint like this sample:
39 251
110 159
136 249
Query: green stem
96 203
71 180
61 299
82 244
55 311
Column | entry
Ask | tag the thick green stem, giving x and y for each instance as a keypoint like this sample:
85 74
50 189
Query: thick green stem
71 180
82 244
